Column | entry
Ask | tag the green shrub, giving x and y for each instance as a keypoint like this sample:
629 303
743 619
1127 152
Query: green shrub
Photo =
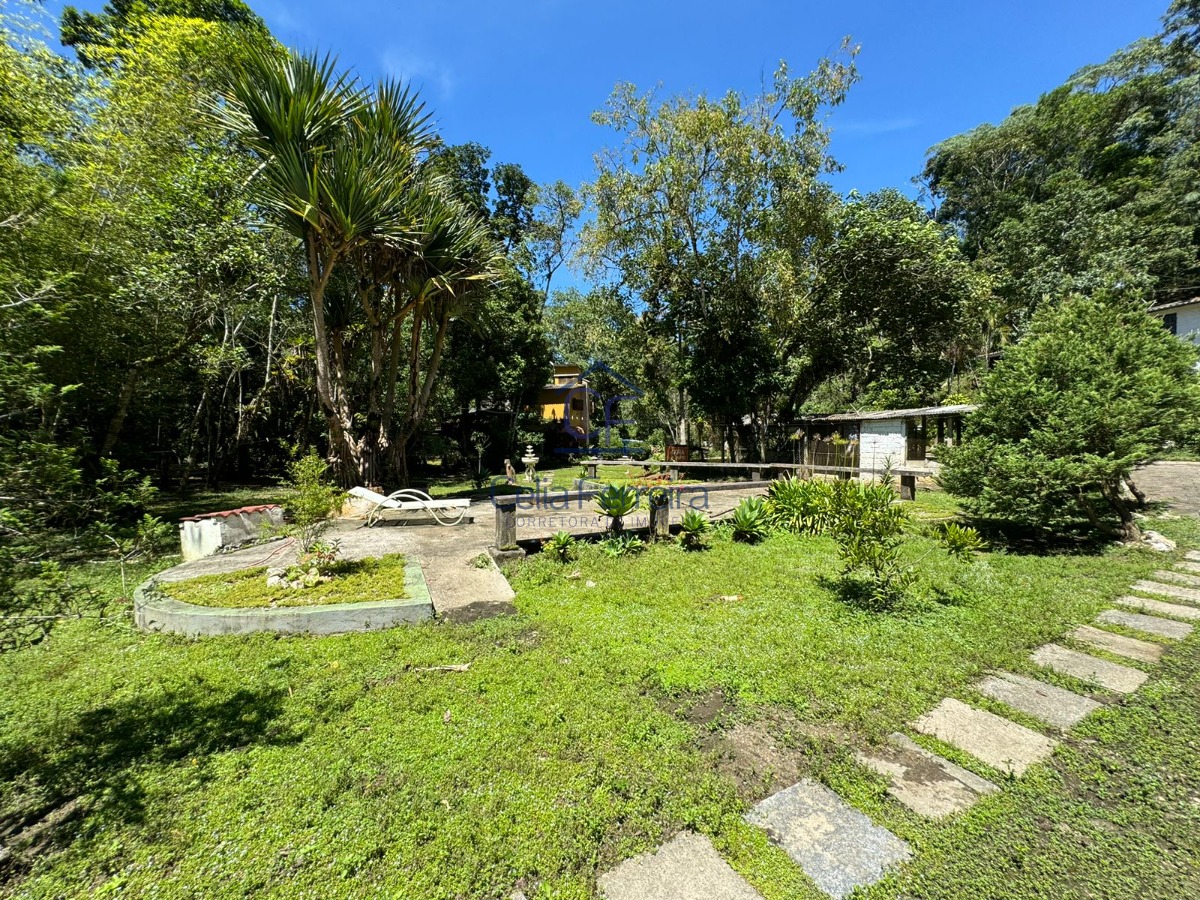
1096 387
616 502
315 501
868 525
749 521
561 545
693 526
622 543
799 506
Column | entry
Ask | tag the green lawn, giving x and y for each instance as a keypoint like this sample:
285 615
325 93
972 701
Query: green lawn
591 726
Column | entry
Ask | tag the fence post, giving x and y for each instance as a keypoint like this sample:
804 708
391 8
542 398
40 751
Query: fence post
660 522
506 523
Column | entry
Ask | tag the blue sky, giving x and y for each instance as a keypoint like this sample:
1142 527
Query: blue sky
523 76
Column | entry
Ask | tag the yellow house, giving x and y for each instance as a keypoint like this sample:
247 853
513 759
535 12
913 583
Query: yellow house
567 399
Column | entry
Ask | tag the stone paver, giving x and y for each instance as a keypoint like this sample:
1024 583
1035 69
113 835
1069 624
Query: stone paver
836 845
687 867
1131 648
1150 624
1177 483
1052 705
924 782
1179 577
1002 744
1174 610
1167 590
1188 566
1112 676
1193 555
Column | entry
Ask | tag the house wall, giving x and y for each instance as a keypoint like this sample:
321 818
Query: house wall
881 441
1187 321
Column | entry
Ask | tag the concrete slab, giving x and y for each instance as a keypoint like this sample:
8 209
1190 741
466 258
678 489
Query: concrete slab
1150 624
1002 744
1131 648
1188 566
836 845
1193 555
1111 676
925 782
687 867
1052 705
1158 608
1178 577
1192 595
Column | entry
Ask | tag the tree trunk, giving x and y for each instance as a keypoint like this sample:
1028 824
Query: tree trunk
124 399
1137 494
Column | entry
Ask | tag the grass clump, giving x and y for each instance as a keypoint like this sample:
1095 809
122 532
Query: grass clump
350 581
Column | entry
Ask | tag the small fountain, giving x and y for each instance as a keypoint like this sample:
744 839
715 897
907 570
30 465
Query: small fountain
530 462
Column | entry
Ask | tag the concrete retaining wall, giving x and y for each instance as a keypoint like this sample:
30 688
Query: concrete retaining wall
155 611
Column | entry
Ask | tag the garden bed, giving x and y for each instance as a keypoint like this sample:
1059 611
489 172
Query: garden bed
349 581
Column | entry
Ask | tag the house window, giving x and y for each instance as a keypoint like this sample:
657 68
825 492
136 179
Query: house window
577 404
1171 322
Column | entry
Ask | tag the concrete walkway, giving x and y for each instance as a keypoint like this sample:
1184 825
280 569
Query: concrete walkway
1175 483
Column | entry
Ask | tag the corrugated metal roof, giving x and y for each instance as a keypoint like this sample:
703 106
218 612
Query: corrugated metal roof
956 410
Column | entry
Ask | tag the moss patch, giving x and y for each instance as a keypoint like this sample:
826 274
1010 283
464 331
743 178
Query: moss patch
351 581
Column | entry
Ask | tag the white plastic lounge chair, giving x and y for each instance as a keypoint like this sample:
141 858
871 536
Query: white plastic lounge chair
444 512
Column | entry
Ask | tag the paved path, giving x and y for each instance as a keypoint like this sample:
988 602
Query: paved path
1174 483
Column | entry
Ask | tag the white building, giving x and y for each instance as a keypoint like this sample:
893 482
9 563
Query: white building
873 441
1181 318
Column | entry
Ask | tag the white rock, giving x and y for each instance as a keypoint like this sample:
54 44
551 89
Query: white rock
1156 541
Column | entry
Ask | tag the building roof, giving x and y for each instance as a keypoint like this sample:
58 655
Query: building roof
226 513
1163 307
959 409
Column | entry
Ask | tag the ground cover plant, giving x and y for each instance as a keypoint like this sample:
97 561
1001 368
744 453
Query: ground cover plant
345 581
611 712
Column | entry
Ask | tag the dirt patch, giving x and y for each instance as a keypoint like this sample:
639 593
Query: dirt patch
480 609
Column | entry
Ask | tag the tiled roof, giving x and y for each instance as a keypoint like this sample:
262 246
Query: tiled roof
226 513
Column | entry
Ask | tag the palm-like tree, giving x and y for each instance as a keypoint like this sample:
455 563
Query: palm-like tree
342 168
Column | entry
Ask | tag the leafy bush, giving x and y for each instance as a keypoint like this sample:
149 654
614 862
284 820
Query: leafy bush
799 506
616 502
868 525
693 526
622 543
561 545
1096 387
315 501
749 521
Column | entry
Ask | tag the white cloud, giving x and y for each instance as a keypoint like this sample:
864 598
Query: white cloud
422 71
876 126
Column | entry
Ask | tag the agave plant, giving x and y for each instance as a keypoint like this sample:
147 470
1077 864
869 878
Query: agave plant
693 526
560 545
616 502
749 521
622 543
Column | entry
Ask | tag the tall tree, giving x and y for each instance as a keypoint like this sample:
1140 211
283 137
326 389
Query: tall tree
690 205
1098 182
344 170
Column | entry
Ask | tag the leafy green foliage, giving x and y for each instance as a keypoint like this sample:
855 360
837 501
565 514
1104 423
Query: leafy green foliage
561 545
314 501
798 505
617 501
868 524
693 527
750 522
621 543
1095 388
1095 183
